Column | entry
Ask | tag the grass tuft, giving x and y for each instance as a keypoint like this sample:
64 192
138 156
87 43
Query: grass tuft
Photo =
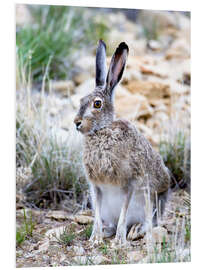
26 230
58 32
66 238
176 156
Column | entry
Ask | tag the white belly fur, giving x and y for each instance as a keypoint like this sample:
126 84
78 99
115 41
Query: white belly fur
112 200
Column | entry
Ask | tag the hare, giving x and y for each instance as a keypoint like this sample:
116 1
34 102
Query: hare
119 161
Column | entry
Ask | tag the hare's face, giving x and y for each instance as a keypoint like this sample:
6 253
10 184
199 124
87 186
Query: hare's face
95 112
96 109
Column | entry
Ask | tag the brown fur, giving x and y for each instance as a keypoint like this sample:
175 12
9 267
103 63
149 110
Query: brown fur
119 153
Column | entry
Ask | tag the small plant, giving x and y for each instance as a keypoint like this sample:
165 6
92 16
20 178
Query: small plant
117 258
104 249
87 231
28 223
20 236
26 230
66 238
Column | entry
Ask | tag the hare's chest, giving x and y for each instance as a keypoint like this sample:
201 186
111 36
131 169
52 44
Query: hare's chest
102 162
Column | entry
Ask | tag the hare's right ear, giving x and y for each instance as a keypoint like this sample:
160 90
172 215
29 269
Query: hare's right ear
101 68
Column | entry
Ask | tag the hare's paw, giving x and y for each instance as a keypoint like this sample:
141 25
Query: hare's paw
136 231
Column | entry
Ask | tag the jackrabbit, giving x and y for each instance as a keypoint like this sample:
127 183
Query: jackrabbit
119 162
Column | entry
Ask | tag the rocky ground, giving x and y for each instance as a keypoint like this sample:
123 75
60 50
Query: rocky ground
61 239
155 95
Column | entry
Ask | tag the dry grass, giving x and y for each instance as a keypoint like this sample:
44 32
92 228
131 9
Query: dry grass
56 168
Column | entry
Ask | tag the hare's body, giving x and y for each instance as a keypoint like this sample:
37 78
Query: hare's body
120 163
118 156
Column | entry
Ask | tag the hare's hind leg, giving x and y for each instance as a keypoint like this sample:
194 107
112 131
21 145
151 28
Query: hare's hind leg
96 236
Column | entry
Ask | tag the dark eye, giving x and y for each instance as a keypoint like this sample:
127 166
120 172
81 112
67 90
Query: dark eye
97 104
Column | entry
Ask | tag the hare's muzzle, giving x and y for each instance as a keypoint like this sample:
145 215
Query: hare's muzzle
78 122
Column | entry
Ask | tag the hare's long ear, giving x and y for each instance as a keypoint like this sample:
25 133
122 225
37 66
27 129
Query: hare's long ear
117 66
101 68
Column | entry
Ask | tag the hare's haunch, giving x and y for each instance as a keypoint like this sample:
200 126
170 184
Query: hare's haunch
119 162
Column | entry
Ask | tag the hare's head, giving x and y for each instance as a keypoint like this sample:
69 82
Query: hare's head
96 109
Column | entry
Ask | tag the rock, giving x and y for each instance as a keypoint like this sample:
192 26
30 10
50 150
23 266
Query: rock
66 88
179 49
81 77
121 92
79 250
155 70
159 19
81 219
131 74
134 256
81 260
75 100
55 233
86 63
98 259
87 212
58 215
151 90
44 246
133 107
159 235
154 45
86 87
158 121
179 88
67 123
159 105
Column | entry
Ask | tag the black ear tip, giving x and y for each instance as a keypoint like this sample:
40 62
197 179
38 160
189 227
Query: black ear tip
123 46
101 42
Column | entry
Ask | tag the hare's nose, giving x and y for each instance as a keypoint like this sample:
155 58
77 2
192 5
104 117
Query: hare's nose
77 122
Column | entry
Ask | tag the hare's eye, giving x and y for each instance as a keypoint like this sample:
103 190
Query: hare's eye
97 104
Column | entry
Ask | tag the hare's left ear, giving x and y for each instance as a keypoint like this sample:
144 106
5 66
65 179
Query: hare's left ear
101 68
117 66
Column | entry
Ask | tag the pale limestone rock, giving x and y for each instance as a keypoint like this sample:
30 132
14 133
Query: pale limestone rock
86 63
151 90
86 87
57 214
81 219
78 250
159 235
133 107
134 256
81 77
65 88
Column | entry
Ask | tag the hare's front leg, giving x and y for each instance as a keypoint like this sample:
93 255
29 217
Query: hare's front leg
120 238
96 236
